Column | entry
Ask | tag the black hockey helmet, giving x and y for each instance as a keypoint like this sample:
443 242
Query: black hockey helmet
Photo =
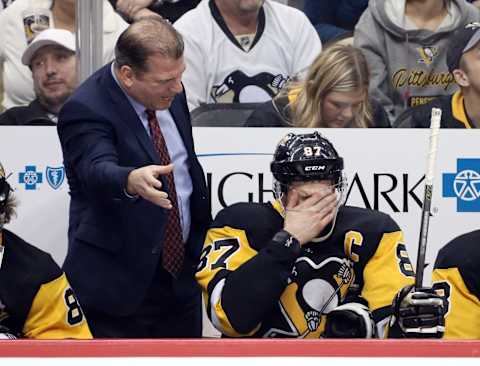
5 189
306 157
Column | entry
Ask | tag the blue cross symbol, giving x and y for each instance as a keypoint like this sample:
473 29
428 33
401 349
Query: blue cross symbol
30 177
464 185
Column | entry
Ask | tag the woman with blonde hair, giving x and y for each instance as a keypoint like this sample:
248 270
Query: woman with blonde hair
334 93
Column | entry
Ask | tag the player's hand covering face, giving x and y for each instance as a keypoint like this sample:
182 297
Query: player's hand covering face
310 207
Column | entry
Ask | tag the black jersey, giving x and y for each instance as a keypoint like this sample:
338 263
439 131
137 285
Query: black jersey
36 300
454 114
255 287
456 277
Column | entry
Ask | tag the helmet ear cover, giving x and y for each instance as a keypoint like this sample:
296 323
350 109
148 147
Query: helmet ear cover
308 170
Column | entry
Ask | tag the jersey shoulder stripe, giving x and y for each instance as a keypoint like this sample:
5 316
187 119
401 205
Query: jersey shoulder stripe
462 253
27 267
375 221
258 220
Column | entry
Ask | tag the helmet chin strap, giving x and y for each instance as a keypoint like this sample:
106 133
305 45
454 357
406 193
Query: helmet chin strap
2 219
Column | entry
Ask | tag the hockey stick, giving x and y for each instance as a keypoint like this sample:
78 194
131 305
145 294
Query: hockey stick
427 198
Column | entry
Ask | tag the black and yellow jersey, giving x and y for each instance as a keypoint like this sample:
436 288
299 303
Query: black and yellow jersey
456 277
36 300
454 114
254 287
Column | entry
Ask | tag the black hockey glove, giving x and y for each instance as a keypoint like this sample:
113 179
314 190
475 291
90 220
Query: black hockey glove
417 314
351 320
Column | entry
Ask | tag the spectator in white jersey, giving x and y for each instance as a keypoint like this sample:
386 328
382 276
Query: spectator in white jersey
240 51
5 3
168 9
17 78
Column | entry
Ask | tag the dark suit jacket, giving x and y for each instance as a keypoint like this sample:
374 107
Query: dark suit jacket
115 242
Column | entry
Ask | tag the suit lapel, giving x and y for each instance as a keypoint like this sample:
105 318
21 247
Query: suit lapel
177 110
127 114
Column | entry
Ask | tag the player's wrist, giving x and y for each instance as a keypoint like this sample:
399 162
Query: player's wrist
287 240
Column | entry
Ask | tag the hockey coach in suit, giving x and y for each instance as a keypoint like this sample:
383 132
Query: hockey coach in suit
139 207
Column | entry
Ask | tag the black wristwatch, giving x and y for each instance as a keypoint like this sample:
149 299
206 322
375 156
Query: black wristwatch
286 239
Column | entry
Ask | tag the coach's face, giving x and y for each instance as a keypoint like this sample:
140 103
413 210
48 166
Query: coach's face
156 87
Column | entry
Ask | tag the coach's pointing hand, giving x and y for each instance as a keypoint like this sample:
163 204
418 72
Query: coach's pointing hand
144 182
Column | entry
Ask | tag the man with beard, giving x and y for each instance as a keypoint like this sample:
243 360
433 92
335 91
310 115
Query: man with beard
51 57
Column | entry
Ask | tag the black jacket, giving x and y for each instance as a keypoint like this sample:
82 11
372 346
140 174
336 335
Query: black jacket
453 114
30 115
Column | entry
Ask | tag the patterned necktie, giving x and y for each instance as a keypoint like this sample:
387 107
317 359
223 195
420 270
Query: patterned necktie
173 250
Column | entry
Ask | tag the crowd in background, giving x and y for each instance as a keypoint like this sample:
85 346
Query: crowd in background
403 46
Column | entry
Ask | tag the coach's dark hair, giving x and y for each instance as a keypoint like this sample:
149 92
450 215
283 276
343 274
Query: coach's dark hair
146 37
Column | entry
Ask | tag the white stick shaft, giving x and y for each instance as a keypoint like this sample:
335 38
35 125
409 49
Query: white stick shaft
427 199
432 152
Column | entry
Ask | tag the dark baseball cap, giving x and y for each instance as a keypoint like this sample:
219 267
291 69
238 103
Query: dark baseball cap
463 40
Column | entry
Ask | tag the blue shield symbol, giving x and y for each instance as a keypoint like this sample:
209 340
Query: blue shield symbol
55 176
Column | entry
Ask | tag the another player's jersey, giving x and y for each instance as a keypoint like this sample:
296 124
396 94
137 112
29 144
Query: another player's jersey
36 300
256 287
456 277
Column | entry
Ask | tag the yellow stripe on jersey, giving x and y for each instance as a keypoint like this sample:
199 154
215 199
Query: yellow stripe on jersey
462 320
387 271
217 257
55 313
458 109
296 315
219 317
224 249
277 206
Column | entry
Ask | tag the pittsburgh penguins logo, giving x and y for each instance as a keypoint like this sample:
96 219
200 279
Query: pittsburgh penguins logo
427 54
238 87
316 287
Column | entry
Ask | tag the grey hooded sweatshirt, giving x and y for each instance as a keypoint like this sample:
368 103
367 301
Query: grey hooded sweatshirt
408 65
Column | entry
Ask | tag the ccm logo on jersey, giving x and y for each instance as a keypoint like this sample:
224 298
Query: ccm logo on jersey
311 168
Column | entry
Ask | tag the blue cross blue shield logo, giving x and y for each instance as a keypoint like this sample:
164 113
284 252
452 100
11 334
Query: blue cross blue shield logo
30 177
55 176
464 185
